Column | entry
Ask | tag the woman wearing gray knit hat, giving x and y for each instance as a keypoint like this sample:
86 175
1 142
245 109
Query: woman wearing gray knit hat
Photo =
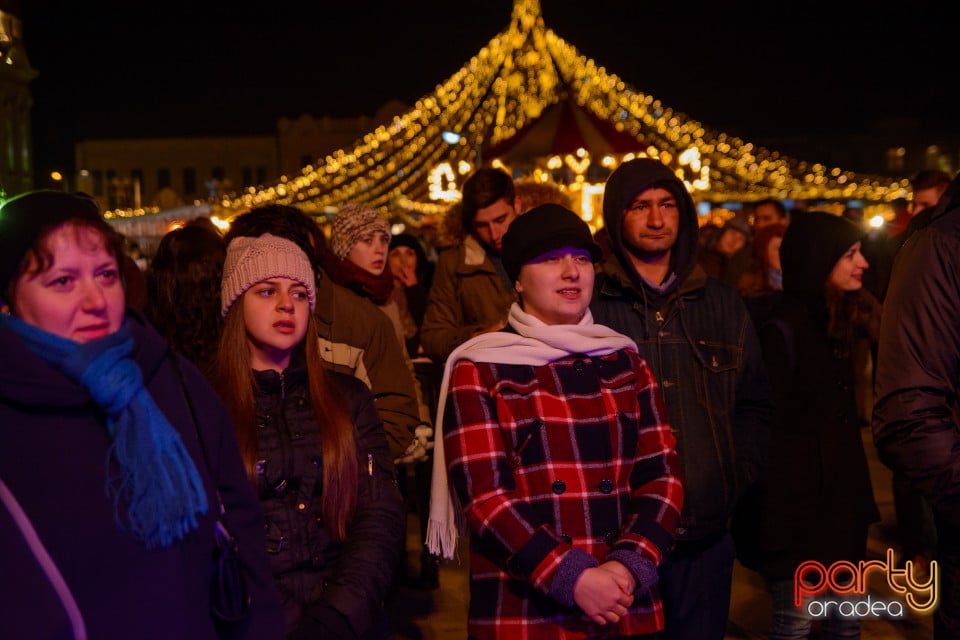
547 420
357 260
313 445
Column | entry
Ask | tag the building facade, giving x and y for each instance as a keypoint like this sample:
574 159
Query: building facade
166 173
170 172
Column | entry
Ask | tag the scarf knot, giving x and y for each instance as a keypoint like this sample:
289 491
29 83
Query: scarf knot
157 481
112 378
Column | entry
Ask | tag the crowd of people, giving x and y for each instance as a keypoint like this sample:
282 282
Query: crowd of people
610 421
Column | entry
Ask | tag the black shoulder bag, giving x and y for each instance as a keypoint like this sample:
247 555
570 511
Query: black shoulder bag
229 595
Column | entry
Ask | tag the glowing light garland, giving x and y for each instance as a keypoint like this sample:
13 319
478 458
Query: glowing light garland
508 84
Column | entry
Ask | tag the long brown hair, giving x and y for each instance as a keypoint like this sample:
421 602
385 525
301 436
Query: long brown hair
851 315
338 443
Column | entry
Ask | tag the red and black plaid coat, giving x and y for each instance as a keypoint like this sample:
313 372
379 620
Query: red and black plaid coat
548 459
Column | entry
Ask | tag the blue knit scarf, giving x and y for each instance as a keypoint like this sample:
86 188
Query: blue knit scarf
157 479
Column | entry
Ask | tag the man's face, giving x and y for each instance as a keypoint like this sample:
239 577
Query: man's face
765 215
651 222
926 198
491 223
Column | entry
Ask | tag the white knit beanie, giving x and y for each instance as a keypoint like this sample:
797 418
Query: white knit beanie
353 222
250 260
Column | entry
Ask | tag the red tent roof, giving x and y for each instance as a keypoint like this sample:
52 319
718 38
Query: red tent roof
562 128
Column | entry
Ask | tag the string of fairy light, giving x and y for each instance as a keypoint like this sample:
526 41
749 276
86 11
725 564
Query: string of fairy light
407 165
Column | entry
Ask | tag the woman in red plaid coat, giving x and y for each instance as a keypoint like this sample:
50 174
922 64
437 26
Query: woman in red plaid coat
561 464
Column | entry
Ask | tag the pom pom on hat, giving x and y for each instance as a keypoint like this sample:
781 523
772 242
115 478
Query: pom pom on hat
353 222
253 259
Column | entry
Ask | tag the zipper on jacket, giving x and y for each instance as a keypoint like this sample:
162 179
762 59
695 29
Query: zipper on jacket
283 387
370 464
659 317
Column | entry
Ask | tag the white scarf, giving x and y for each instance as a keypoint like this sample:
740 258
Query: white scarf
537 344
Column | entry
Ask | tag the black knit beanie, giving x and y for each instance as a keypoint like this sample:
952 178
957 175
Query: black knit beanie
26 217
542 229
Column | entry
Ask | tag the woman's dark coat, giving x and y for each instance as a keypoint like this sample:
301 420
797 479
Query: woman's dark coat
53 460
329 589
819 499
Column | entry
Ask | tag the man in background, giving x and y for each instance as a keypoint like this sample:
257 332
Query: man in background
470 293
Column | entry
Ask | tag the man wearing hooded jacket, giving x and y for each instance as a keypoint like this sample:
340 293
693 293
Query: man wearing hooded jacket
696 335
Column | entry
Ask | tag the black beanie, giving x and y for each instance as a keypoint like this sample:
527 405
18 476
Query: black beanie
542 229
26 217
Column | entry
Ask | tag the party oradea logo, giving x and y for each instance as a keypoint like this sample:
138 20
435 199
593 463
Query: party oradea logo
841 589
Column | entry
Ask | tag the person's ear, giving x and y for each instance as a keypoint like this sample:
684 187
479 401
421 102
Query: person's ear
517 204
518 287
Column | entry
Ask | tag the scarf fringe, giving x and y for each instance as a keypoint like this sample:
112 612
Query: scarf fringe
161 485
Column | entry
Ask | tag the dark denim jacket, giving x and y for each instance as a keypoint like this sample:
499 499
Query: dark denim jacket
704 352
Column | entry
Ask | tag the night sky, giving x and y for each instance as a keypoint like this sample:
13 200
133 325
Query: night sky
137 69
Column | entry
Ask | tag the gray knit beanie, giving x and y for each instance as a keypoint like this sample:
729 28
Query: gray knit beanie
253 259
353 222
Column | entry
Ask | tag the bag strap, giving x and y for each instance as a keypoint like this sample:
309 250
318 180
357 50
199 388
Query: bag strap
196 427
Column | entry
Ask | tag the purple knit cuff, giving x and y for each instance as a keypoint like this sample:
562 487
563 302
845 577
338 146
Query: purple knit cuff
575 562
642 569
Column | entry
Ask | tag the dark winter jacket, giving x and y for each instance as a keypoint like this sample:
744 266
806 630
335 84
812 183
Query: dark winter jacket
53 460
915 417
334 590
698 339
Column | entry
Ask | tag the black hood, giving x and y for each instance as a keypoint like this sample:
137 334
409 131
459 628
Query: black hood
812 244
623 185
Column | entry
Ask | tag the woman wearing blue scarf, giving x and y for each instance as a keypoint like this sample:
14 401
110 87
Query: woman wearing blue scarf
102 470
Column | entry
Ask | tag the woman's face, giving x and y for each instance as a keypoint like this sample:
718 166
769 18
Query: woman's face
276 312
847 274
556 287
402 259
79 296
370 252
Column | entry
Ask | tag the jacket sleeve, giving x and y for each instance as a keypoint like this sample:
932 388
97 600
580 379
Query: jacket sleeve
375 535
443 328
244 516
393 384
918 365
362 343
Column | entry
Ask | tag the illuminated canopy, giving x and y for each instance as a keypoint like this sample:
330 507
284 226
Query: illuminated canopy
523 73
